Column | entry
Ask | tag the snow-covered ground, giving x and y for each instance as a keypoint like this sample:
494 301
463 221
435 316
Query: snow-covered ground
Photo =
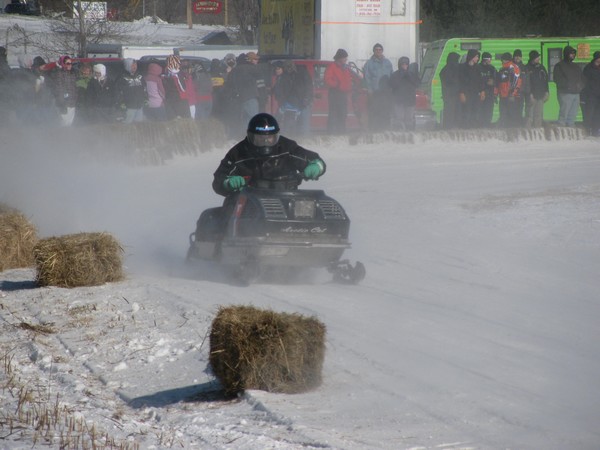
476 327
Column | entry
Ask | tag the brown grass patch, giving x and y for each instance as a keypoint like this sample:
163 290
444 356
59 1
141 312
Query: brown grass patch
261 349
83 259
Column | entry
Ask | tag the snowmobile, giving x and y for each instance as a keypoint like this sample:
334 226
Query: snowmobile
273 226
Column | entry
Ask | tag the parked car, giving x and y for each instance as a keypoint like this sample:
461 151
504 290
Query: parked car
25 7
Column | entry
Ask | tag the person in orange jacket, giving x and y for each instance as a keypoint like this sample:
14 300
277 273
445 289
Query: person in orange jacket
338 79
509 90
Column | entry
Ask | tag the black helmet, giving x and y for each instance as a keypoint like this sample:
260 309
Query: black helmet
263 133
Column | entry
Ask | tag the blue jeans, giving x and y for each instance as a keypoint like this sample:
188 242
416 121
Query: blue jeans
569 107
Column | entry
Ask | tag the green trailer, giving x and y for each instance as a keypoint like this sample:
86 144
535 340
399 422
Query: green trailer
550 49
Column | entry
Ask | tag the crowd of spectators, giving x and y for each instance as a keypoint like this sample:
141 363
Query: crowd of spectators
70 92
471 88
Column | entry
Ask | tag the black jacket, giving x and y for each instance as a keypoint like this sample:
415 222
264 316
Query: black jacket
449 76
567 75
403 84
286 161
131 90
538 80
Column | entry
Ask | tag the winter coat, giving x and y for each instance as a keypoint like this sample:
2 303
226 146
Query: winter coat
154 86
403 84
286 161
509 80
488 79
567 75
64 88
294 89
338 77
538 80
450 76
591 75
374 70
241 83
131 90
470 82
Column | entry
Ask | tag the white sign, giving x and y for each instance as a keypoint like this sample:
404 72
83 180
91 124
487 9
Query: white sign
368 7
90 10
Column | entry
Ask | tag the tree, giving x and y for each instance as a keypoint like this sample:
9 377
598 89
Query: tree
83 24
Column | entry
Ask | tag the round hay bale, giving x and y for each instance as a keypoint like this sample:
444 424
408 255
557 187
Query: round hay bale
261 349
83 259
17 239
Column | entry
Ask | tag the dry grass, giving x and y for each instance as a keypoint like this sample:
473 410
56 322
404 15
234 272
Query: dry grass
84 259
261 349
17 239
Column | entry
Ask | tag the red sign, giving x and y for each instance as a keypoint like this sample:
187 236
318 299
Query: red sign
207 6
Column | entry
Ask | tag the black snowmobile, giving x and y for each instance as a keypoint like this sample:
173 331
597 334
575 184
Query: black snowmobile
275 227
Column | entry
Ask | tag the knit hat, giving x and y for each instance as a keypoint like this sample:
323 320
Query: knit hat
403 60
596 56
506 56
517 52
378 45
101 69
127 63
472 53
533 54
173 63
340 54
486 55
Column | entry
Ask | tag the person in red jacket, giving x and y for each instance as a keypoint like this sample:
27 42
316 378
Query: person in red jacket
338 79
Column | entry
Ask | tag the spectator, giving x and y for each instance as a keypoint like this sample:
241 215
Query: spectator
191 95
569 82
471 90
450 78
488 79
338 80
155 109
101 96
591 107
538 90
82 108
509 87
22 90
294 94
403 85
218 74
176 100
45 112
65 90
377 72
131 92
204 92
520 99
261 82
242 92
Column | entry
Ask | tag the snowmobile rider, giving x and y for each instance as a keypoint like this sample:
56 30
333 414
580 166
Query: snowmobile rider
265 159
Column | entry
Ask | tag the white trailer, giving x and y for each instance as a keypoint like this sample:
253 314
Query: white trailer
315 29
139 51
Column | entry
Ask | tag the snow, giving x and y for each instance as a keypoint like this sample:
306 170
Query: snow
476 327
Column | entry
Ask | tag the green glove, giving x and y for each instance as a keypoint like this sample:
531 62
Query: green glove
314 169
234 183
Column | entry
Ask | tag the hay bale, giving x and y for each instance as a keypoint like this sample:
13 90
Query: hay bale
83 259
17 239
261 349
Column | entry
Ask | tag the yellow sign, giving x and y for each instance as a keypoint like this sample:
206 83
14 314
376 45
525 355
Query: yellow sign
287 27
583 51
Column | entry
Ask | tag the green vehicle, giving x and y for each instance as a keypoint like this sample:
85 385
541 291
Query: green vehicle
550 49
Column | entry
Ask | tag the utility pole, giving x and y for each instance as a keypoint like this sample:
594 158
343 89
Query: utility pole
189 14
225 12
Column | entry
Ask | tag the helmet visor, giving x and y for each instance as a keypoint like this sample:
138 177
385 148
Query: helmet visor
263 140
